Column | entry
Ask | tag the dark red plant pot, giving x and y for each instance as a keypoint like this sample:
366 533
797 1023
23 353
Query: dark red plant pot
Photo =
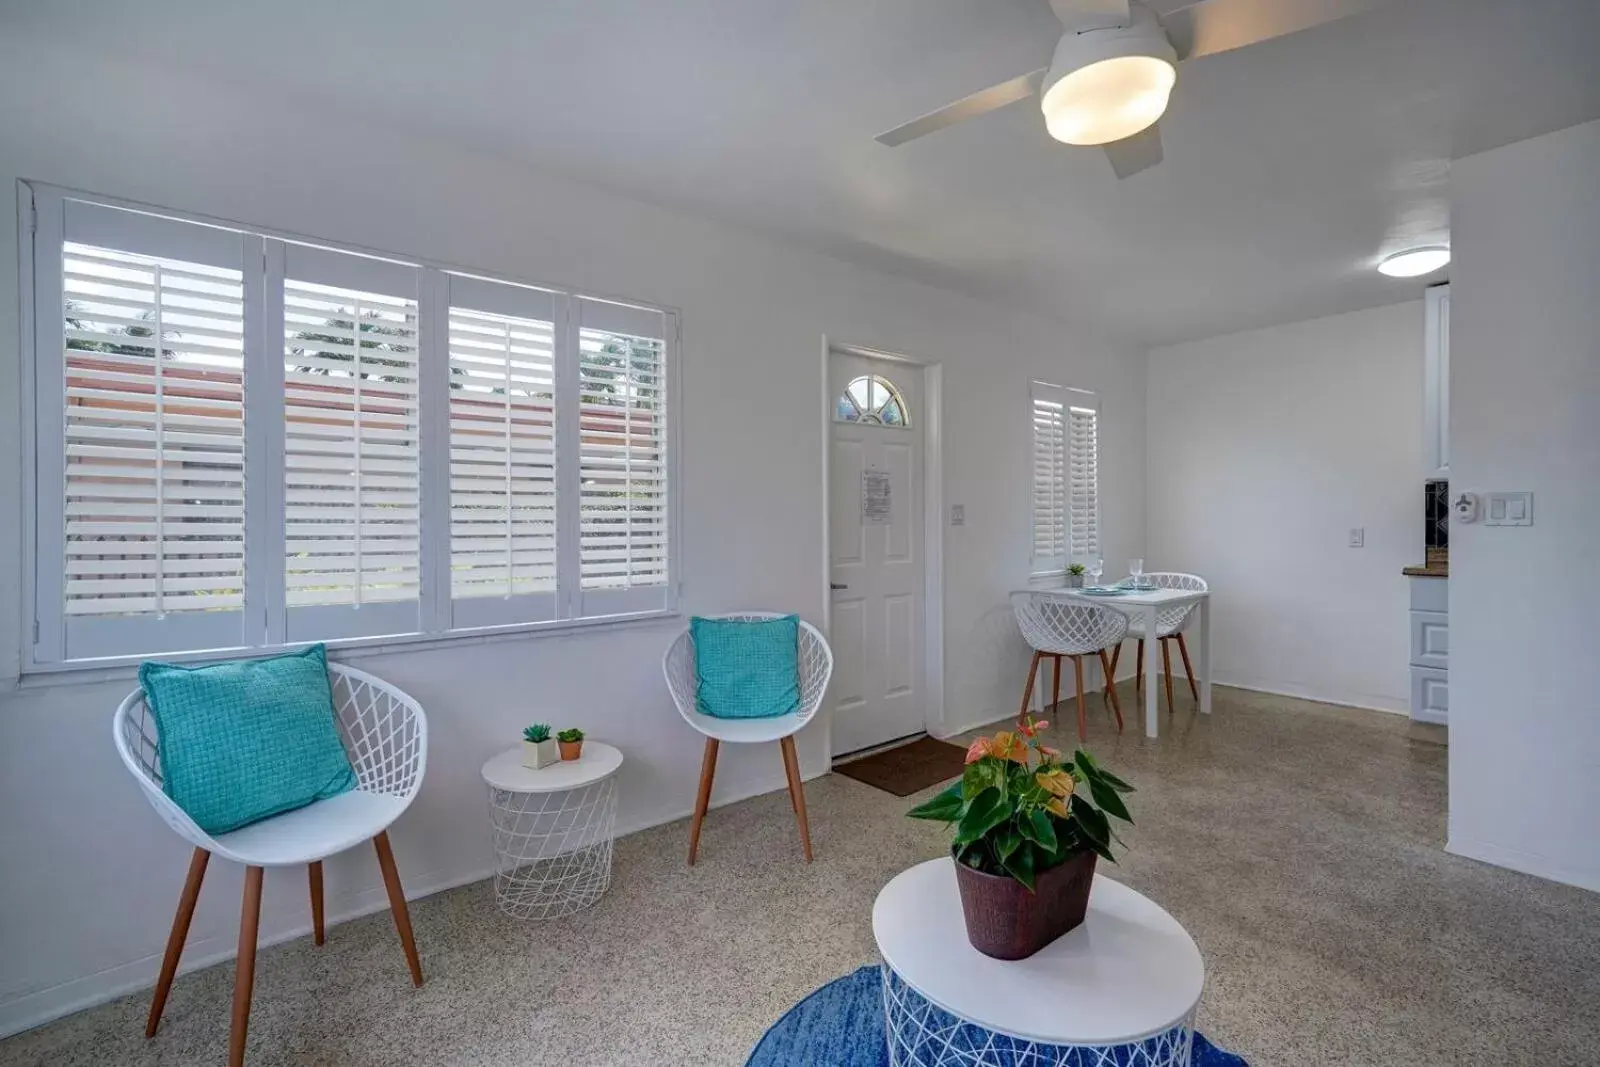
1007 922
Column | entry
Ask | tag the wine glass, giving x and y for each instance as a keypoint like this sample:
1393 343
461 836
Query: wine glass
1096 568
1136 573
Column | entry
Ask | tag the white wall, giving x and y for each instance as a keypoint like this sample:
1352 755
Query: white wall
1525 414
1265 448
90 877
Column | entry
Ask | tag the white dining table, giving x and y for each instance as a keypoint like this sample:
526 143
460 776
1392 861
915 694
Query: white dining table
1145 604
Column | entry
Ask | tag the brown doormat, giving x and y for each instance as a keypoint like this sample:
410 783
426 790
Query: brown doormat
908 768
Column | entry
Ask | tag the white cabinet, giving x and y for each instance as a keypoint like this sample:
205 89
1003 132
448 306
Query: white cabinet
1430 649
1436 378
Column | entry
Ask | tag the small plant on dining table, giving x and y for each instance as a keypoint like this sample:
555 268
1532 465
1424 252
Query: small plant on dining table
1025 839
1075 574
571 740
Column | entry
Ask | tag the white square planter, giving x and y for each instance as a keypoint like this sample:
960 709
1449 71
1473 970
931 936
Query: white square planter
539 754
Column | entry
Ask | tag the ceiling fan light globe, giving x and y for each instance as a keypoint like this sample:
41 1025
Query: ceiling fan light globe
1109 83
1108 100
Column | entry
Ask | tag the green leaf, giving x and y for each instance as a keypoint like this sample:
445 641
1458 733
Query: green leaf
1092 822
1006 842
1108 799
947 806
1114 782
985 811
1020 865
1037 827
980 776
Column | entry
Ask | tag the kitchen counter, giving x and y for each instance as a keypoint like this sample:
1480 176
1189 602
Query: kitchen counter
1428 570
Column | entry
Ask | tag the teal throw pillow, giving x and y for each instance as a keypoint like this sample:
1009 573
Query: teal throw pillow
747 669
247 739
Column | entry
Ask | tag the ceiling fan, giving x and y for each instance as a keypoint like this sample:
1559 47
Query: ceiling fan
1115 65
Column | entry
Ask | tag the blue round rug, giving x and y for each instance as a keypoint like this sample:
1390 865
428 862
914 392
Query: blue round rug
841 1025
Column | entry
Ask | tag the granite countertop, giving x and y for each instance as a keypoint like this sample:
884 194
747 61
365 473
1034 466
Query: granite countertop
1439 569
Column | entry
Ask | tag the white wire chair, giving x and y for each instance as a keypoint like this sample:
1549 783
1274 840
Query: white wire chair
385 734
1170 625
1057 625
816 669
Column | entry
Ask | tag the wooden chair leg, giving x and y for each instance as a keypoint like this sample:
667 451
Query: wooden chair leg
1055 687
1109 665
1111 671
708 770
315 877
175 940
1166 670
797 791
244 974
1027 690
1188 668
1083 713
397 904
1138 669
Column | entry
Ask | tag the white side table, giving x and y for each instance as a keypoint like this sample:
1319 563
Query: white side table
1121 989
552 831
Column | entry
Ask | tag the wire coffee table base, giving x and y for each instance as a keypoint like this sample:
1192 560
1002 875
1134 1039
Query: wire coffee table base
923 1035
552 850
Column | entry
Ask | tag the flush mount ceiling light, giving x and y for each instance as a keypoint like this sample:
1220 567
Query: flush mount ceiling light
1415 262
1107 84
1115 67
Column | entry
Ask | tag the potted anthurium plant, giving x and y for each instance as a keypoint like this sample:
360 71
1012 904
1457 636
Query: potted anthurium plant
1029 825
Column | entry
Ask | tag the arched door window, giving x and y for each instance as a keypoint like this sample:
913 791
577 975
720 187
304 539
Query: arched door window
872 398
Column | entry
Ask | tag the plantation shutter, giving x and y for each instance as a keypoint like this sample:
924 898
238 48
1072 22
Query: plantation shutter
352 413
1083 450
141 541
503 565
623 520
1050 491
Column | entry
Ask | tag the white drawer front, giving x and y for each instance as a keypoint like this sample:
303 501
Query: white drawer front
1430 594
1430 639
1430 695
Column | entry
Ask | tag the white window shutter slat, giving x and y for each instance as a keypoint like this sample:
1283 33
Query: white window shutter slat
1049 478
1083 507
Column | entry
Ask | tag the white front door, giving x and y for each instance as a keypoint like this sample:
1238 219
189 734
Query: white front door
875 524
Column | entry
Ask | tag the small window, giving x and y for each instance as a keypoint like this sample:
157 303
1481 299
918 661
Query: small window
872 398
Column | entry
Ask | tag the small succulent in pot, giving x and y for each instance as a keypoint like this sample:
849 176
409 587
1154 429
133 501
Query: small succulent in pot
1075 575
571 740
538 747
1025 840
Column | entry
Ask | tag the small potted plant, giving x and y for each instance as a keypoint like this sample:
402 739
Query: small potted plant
571 743
1075 576
1026 840
538 747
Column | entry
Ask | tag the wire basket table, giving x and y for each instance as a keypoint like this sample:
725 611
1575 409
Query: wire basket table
552 831
1119 991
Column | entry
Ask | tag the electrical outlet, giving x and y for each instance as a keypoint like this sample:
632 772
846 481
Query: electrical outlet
1358 536
958 515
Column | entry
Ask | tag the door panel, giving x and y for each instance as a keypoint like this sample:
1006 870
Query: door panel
878 615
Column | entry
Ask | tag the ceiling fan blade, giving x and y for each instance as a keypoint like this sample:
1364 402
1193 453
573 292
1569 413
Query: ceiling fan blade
1133 154
979 103
1211 26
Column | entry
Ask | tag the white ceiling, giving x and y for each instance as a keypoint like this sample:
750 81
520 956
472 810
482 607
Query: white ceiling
1291 166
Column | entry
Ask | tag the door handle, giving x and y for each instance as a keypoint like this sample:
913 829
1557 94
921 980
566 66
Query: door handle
837 586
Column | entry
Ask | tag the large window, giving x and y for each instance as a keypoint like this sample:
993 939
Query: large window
242 442
1065 477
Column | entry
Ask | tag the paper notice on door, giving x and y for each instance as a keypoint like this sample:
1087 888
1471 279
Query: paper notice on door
875 499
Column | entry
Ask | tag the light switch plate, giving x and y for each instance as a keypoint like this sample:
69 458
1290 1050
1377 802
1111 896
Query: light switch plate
1508 509
958 515
1358 536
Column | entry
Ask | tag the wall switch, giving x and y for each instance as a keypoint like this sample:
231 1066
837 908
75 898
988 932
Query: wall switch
958 515
1358 536
1508 509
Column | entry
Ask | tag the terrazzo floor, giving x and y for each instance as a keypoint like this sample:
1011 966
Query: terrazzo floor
1300 843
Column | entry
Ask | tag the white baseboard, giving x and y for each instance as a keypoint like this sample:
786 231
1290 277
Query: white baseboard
46 1005
1368 701
1524 862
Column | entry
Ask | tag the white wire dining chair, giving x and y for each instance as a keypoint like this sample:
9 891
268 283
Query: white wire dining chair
1056 625
1170 625
816 668
385 734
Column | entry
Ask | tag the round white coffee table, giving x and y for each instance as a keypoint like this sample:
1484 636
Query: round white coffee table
1121 989
552 830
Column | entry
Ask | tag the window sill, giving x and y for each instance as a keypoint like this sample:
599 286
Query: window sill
125 668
